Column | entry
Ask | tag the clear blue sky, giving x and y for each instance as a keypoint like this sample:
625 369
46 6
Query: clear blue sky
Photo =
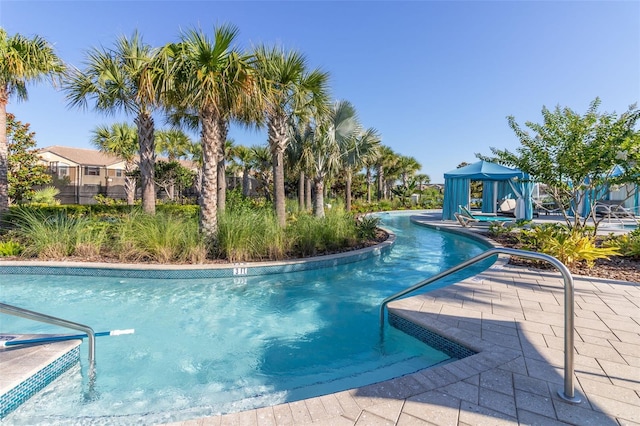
437 79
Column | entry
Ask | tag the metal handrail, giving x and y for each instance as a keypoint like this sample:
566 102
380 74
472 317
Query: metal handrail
568 393
37 316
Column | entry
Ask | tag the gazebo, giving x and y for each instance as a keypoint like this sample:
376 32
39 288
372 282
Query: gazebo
498 182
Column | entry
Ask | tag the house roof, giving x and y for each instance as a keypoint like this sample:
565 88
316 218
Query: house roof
93 157
83 156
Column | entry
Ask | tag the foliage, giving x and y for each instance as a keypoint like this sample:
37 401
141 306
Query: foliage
246 234
108 201
57 236
24 169
576 155
404 193
628 244
10 248
163 238
568 245
171 174
310 235
367 227
46 195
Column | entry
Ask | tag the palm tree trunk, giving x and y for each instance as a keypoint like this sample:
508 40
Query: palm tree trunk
245 182
129 183
380 183
209 192
301 183
278 143
144 121
318 208
4 154
307 193
223 129
347 191
368 185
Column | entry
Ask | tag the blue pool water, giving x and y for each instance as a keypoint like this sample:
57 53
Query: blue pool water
209 346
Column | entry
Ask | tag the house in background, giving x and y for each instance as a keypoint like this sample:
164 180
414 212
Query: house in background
80 174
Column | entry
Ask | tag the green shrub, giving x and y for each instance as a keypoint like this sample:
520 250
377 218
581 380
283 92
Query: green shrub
10 248
46 196
569 246
246 234
58 235
309 235
367 227
627 244
160 238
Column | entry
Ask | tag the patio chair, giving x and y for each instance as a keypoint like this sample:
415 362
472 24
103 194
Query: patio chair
467 219
612 209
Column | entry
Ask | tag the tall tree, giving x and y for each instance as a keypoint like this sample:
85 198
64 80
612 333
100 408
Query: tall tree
123 79
385 164
173 143
261 165
22 60
25 168
215 82
575 155
355 152
332 130
299 157
120 140
407 166
244 156
288 89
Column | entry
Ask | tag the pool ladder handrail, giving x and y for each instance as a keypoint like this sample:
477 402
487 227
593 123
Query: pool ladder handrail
37 316
568 394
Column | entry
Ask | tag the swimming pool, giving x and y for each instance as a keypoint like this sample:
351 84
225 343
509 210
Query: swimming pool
209 346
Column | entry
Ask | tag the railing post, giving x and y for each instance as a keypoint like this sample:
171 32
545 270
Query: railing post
37 316
568 393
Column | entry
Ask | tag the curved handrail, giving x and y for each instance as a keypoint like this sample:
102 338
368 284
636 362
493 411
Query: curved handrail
37 316
568 393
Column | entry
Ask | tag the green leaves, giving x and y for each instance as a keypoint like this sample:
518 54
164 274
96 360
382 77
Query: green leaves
573 154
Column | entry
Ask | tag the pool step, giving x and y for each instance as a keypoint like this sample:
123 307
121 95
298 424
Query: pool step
25 370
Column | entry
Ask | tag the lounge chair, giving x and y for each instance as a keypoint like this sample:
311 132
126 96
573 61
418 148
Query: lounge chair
612 209
467 219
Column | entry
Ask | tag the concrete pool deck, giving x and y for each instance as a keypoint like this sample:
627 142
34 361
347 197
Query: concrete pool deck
514 318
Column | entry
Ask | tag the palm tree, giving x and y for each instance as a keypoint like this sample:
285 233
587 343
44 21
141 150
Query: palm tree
261 164
22 60
288 89
407 166
173 143
244 157
355 153
299 157
385 162
422 180
120 140
123 79
332 130
214 82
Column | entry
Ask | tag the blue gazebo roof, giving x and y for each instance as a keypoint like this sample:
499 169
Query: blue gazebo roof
484 170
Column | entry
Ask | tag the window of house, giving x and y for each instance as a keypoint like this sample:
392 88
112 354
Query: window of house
53 167
91 171
63 170
118 172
